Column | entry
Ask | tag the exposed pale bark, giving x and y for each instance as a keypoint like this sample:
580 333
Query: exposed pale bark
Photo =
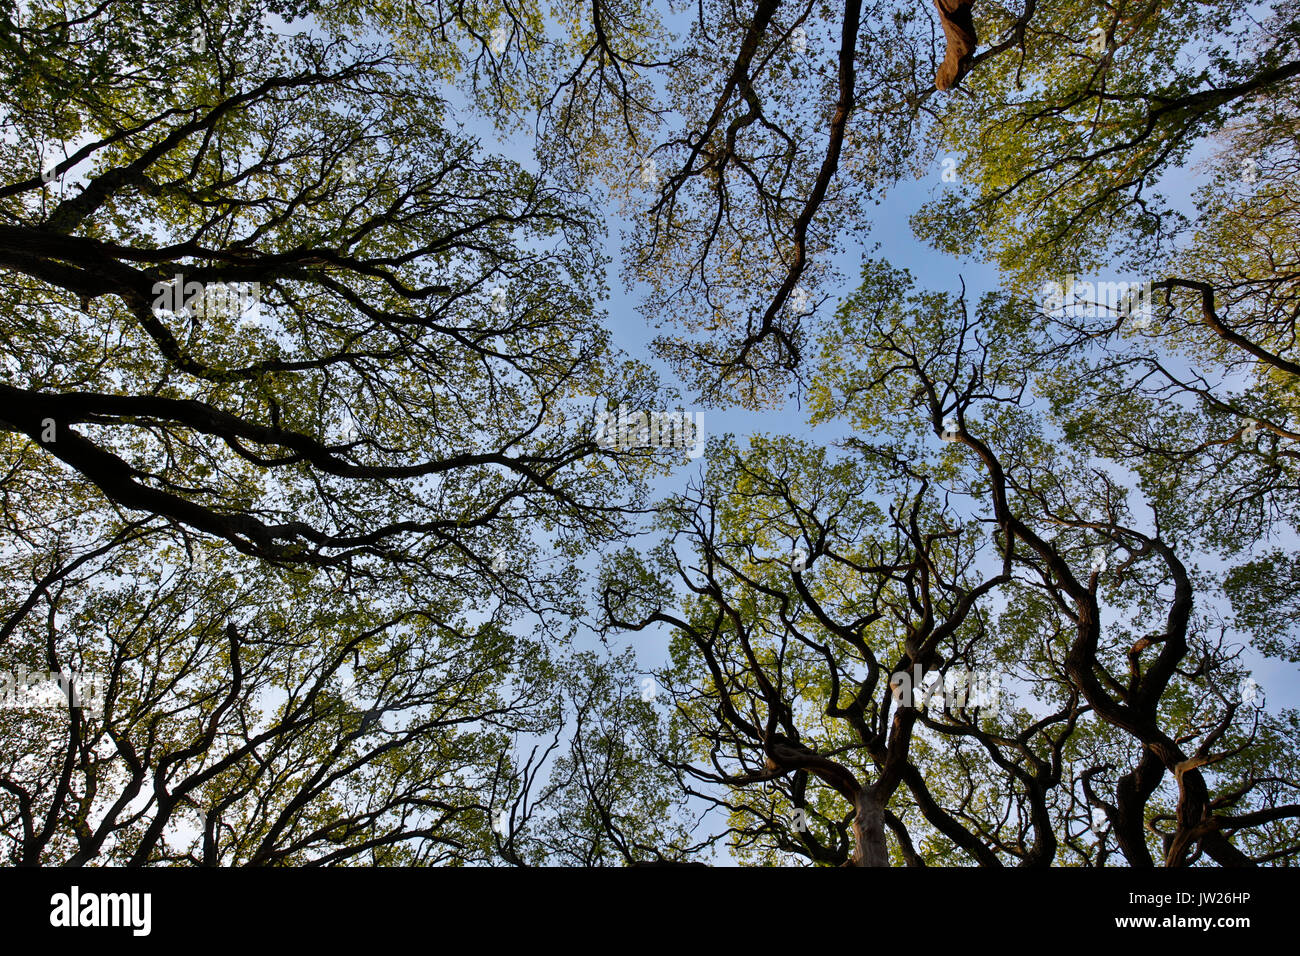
959 29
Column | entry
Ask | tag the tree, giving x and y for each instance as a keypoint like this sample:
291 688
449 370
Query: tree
1185 378
296 177
227 716
805 675
608 799
1073 116
723 132
299 387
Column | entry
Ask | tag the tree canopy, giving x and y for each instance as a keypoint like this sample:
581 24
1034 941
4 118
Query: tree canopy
327 525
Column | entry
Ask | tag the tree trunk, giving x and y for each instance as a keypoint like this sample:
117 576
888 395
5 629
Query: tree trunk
869 830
